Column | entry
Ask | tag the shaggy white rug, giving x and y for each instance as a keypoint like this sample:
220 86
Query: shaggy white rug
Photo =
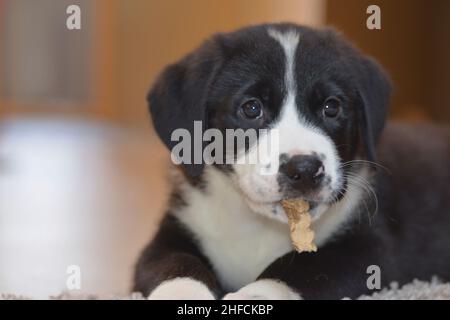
416 290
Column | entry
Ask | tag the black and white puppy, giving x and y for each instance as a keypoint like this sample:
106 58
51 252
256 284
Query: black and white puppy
225 233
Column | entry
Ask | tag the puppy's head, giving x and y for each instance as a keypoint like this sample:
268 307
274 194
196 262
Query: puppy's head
326 102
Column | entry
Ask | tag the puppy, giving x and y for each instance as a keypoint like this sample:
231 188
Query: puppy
225 234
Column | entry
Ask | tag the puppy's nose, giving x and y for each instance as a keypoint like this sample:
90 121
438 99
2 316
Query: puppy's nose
306 171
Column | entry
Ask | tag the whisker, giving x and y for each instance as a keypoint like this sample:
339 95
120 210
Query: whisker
362 162
345 199
361 182
369 217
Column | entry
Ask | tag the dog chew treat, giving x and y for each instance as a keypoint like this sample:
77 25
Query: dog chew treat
302 236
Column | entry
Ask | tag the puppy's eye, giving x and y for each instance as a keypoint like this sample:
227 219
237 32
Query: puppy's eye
331 107
252 109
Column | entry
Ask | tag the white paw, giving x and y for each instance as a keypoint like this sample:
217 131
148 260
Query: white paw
265 289
181 289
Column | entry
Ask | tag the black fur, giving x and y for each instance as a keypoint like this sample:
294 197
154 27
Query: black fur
181 87
229 68
408 237
173 253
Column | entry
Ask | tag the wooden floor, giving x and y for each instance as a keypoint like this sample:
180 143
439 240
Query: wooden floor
75 193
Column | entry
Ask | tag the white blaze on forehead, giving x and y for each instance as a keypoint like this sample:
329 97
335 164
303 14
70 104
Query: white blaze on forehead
289 42
296 135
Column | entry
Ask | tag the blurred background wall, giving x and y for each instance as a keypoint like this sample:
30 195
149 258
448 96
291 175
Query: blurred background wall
82 175
413 45
105 69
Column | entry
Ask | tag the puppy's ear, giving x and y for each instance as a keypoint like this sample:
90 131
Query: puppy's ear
374 91
178 98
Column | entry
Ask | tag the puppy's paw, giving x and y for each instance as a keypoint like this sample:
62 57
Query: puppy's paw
181 289
265 289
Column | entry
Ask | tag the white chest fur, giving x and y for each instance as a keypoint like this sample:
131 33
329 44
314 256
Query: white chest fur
239 243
